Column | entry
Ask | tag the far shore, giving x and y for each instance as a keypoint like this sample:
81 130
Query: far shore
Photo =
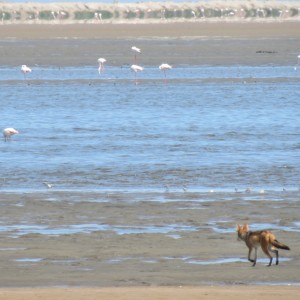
148 12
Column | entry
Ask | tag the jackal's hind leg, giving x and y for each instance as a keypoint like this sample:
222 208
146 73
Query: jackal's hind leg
265 250
255 257
272 249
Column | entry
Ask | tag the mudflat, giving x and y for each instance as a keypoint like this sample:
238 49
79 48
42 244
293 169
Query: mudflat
199 43
143 239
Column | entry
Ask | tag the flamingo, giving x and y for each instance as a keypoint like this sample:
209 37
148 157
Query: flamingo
8 132
135 69
298 62
101 62
135 50
25 70
164 68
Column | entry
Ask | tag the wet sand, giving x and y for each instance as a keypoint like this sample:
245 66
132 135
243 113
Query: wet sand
204 251
178 43
143 239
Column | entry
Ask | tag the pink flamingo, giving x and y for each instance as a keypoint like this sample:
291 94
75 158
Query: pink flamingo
135 50
25 70
164 68
135 69
298 62
8 132
101 62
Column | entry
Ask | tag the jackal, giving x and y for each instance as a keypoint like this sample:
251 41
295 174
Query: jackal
265 239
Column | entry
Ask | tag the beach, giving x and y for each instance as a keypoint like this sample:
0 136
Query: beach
200 259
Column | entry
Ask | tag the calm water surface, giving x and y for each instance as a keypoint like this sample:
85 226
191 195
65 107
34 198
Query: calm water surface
206 128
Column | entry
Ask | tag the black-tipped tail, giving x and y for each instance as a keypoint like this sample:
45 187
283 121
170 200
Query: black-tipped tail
279 245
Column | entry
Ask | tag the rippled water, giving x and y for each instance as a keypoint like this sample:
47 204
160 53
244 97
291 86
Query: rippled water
206 128
19 229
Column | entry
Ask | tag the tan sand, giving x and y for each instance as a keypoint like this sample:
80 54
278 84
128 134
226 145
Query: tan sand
171 30
156 293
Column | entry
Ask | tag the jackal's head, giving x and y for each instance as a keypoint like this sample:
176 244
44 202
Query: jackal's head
242 231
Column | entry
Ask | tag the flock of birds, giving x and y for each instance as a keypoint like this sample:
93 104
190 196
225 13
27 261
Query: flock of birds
135 68
101 61
9 132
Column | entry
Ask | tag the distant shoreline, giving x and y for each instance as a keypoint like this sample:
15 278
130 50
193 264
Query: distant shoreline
148 12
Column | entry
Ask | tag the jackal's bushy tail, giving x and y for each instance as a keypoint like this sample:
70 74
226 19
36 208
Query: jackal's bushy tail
279 245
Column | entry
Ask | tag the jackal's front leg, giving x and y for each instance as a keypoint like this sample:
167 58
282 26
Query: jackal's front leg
255 256
249 256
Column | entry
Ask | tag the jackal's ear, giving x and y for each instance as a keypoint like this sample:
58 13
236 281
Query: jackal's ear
246 227
238 227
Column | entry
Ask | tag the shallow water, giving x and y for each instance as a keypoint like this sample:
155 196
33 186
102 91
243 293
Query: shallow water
20 229
184 72
207 128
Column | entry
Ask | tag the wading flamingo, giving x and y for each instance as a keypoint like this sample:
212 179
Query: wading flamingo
135 50
298 62
135 69
25 70
8 132
164 68
101 62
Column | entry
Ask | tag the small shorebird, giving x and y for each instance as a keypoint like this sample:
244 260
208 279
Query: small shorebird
135 69
167 188
101 62
25 70
48 185
164 68
8 132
